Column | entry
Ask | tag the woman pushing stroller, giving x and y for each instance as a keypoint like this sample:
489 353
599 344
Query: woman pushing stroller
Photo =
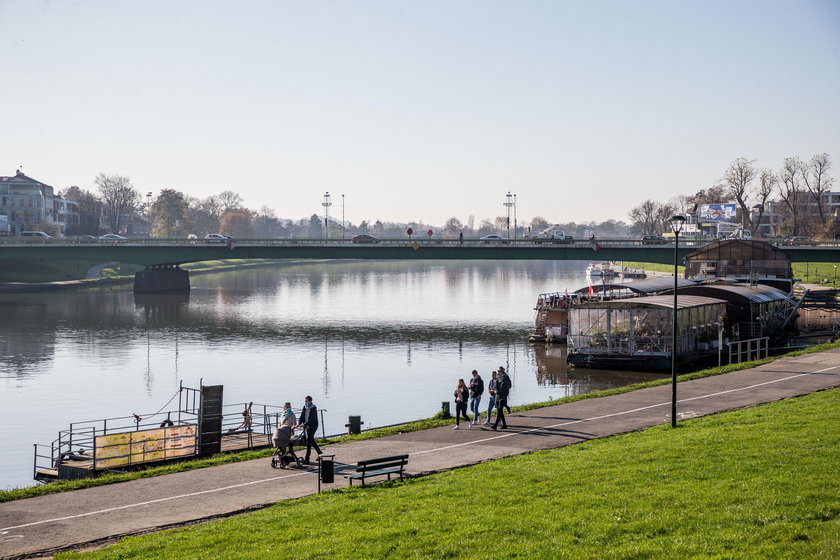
283 439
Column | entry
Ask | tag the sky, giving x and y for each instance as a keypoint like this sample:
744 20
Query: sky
417 111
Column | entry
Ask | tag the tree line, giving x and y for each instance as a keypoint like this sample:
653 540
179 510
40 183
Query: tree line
119 207
795 193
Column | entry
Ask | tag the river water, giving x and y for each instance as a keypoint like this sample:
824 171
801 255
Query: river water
384 340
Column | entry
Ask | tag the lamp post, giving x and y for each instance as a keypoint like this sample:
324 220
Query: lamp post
676 222
835 274
326 204
508 204
514 216
342 216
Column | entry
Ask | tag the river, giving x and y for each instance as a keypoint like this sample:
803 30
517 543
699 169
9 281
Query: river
384 340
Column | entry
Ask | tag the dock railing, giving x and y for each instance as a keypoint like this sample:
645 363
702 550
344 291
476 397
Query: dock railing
748 350
109 443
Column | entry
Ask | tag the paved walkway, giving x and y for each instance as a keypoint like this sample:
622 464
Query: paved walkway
47 524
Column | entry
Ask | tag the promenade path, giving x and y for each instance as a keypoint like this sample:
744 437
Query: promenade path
37 527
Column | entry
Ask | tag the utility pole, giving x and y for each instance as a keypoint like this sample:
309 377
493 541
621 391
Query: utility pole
326 204
514 216
342 216
508 204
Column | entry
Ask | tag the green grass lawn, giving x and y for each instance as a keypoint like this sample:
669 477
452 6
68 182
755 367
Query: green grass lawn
757 483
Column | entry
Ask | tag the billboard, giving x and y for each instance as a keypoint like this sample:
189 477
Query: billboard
717 212
144 446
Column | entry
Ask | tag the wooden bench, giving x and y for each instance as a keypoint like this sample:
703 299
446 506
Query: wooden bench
377 467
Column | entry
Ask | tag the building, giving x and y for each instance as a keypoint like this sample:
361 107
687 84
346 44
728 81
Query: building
25 202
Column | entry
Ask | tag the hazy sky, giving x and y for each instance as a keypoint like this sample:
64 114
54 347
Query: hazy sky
417 110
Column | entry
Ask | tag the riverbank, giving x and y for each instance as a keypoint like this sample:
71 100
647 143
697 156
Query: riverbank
650 494
425 424
729 485
114 274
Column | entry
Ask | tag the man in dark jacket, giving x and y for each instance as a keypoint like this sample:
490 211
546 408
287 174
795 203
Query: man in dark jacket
309 418
502 392
476 390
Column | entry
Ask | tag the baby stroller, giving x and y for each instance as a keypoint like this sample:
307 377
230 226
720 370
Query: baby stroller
284 440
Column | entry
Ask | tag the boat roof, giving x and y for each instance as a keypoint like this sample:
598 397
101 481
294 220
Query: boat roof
683 302
758 293
648 286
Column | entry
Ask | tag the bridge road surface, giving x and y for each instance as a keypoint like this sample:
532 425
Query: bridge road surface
38 527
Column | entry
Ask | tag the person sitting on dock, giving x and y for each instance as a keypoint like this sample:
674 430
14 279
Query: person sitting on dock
246 420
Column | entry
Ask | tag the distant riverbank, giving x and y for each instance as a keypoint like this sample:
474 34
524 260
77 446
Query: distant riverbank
123 273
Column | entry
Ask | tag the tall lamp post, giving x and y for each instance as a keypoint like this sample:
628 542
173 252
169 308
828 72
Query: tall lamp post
326 204
508 204
342 216
514 216
676 222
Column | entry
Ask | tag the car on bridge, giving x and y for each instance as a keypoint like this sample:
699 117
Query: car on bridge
798 240
112 238
494 239
217 238
651 239
364 238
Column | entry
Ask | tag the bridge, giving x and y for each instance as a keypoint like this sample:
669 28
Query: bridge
158 254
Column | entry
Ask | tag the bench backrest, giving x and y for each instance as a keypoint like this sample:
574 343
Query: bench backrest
382 463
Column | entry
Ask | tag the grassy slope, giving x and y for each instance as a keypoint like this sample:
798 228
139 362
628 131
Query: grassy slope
755 483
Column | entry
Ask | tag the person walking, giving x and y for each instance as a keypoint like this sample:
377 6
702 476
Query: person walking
505 378
502 392
476 390
309 419
491 390
462 394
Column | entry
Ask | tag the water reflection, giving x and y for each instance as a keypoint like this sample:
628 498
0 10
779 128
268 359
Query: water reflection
358 336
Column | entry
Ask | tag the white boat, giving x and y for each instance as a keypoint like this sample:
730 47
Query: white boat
604 268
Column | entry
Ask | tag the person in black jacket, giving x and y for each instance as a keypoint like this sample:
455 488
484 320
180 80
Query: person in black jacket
476 390
462 394
502 392
309 418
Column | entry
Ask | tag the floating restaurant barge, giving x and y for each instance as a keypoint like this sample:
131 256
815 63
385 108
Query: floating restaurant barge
736 292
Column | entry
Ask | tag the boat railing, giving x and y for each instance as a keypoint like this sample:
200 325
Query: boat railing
638 345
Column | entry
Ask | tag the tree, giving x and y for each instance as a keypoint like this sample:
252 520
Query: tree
790 190
767 184
119 199
486 227
90 208
169 214
738 178
315 229
815 176
453 227
645 217
237 223
50 228
538 223
229 200
266 223
204 214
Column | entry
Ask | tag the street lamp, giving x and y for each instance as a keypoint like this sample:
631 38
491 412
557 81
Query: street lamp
326 204
835 274
342 216
676 222
514 216
508 204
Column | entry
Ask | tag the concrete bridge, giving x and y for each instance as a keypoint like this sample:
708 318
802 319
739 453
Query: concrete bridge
161 257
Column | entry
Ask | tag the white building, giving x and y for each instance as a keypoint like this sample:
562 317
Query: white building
26 202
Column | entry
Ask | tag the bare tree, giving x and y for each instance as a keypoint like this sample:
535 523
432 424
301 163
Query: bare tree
229 201
119 198
646 217
815 176
790 190
738 178
453 227
767 184
90 208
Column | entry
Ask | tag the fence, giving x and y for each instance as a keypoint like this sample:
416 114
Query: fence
748 350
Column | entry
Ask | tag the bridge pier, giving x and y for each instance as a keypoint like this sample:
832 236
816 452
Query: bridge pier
162 279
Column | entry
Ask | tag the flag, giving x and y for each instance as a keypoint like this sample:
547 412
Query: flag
596 247
590 290
230 245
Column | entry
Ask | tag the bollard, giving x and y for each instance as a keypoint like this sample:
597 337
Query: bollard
354 424
444 409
